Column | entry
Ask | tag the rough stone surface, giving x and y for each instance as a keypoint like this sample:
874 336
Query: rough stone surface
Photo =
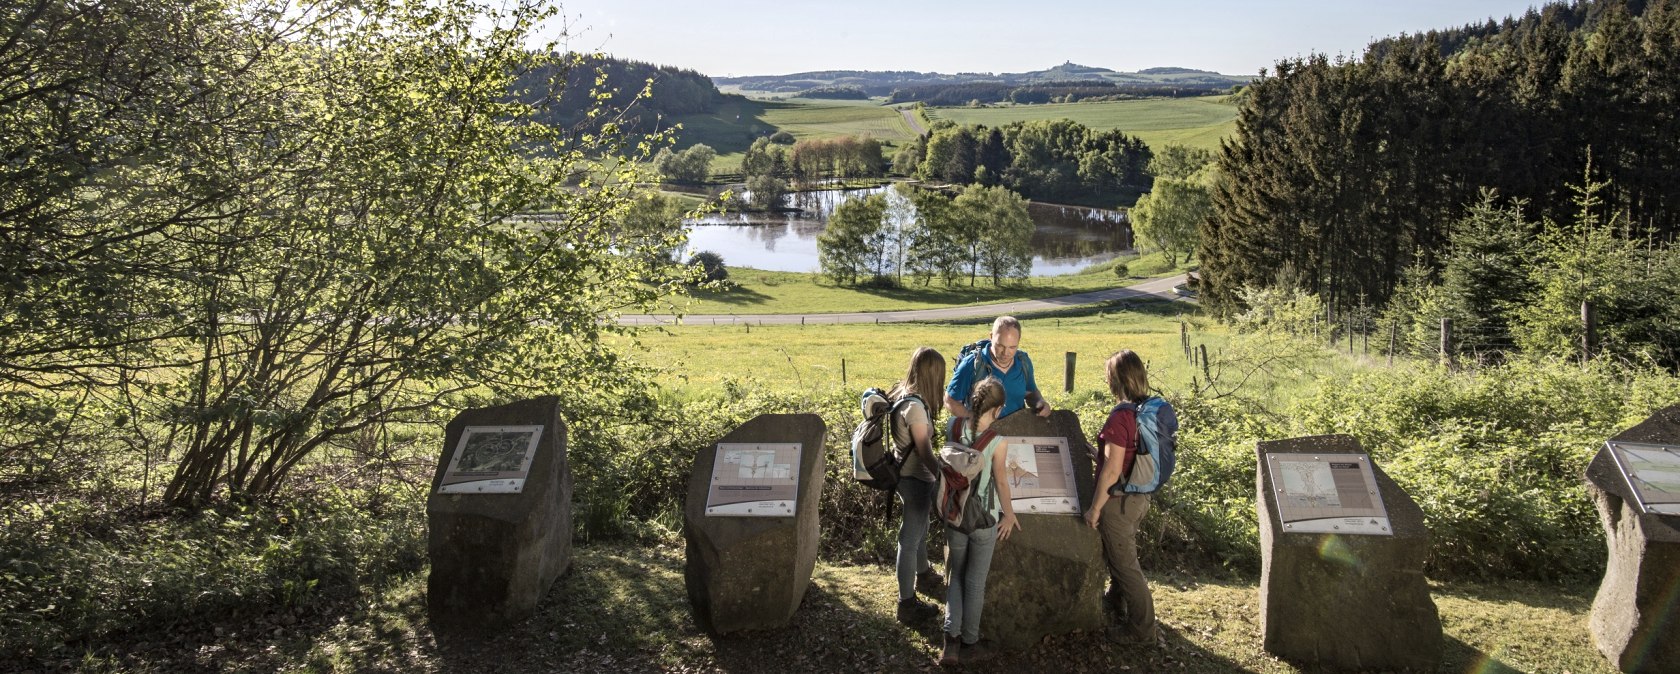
747 573
1049 577
495 555
1636 615
1346 601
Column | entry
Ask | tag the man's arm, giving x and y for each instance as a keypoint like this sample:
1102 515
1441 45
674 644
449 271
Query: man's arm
956 409
956 392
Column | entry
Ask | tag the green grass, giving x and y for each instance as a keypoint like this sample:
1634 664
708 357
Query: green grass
774 292
1195 122
624 608
809 357
733 127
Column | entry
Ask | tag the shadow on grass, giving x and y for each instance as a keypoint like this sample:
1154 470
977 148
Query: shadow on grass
1458 656
737 296
1149 307
1575 597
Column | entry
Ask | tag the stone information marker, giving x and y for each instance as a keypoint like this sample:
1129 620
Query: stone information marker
1340 587
500 515
1636 616
1049 577
750 520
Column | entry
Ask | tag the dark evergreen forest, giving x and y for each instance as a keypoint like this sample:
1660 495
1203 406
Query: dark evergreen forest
674 91
1346 172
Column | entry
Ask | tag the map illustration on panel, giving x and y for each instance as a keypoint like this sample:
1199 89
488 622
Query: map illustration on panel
1654 473
754 480
491 460
1327 493
1040 475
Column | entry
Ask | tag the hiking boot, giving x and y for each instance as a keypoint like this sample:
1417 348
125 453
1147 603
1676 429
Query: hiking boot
1125 636
948 656
978 651
929 581
913 610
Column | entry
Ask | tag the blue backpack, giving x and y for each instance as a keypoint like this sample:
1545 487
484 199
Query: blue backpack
1157 453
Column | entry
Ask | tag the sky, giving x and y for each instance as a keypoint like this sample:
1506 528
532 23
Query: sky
723 38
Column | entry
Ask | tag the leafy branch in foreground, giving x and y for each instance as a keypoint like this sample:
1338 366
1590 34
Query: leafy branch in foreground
301 224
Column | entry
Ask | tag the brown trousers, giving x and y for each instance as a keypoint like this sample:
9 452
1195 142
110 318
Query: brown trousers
1119 526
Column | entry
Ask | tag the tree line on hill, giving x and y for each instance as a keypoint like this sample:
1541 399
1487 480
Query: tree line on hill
1045 159
566 89
953 95
1358 178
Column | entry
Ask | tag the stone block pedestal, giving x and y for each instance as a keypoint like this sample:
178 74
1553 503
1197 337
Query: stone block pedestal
748 573
494 555
1342 601
1636 616
1049 577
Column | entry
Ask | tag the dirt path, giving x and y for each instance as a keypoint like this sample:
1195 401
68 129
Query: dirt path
1159 288
910 118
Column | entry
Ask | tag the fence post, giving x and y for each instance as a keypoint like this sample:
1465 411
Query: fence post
1206 373
1067 383
1393 331
1589 332
842 371
1446 339
1184 338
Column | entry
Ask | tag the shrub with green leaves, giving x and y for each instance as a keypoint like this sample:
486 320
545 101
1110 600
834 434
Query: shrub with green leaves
1495 458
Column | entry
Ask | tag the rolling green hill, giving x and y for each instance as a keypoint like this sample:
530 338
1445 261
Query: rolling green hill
1195 122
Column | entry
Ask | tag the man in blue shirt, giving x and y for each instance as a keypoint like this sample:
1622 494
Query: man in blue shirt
1001 357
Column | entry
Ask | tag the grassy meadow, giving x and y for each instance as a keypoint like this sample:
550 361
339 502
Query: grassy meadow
809 358
1194 122
776 292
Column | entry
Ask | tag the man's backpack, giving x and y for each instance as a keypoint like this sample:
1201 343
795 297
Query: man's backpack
1157 454
963 502
877 450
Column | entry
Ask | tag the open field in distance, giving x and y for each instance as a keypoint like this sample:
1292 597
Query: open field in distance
1195 122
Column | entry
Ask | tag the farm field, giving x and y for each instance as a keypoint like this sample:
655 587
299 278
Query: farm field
1194 122
736 123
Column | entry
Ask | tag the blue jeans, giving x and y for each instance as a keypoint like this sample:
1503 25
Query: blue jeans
917 497
968 560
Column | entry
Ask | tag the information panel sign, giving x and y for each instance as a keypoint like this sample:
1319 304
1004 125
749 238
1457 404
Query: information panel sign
754 479
1040 475
1654 473
491 460
1328 493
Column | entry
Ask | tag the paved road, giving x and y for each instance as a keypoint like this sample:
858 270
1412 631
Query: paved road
1160 288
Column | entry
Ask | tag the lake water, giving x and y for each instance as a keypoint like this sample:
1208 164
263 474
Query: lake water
1066 238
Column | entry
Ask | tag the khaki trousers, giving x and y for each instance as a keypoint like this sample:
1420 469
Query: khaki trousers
1119 526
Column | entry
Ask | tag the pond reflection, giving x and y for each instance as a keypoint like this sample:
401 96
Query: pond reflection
1066 238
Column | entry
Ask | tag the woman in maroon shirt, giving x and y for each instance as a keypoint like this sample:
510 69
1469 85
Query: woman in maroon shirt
1116 514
